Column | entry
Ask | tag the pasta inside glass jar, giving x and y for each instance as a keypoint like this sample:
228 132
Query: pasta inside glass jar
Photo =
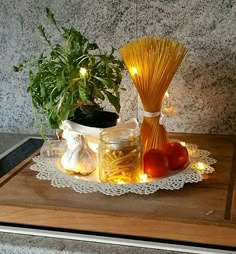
120 156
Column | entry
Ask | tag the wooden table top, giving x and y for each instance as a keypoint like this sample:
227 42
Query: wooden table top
201 213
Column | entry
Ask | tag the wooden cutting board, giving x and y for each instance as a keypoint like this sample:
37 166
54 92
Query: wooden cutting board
201 213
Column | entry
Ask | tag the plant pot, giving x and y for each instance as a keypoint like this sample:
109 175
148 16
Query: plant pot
91 126
98 119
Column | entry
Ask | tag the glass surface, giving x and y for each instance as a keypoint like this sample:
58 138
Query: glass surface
16 156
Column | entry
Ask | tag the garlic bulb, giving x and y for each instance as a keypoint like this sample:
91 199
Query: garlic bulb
78 157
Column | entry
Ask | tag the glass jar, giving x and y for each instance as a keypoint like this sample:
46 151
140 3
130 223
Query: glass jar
120 156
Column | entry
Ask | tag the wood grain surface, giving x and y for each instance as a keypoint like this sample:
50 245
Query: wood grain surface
204 212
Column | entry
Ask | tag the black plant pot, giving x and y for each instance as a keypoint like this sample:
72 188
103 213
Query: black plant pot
98 119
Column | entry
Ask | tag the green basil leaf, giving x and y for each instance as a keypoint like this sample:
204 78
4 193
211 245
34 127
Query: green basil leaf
113 100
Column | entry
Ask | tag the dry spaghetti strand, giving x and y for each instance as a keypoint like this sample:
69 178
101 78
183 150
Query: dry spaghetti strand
152 63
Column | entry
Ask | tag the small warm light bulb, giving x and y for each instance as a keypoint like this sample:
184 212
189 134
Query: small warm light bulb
134 70
83 71
182 143
143 177
201 165
167 94
121 182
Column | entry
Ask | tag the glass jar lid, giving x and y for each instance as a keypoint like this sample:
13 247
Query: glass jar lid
119 134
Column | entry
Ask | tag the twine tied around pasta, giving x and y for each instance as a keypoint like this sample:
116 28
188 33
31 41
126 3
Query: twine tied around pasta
165 112
155 114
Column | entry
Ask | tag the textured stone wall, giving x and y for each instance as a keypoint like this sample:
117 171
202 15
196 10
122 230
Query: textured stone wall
203 90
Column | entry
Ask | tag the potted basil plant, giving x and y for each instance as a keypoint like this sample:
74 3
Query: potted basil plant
68 81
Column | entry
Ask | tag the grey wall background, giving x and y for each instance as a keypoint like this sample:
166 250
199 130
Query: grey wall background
204 89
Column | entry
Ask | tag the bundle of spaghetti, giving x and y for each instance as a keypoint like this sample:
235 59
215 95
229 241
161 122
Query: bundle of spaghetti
152 63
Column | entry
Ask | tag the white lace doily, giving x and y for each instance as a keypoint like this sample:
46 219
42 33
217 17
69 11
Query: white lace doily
200 163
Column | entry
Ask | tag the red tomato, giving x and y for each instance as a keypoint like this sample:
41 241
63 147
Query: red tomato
155 163
177 155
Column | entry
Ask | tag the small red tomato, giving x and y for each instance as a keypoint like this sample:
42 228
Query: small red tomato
155 163
177 155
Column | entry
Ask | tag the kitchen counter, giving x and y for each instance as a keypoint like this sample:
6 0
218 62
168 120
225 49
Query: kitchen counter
7 140
26 244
